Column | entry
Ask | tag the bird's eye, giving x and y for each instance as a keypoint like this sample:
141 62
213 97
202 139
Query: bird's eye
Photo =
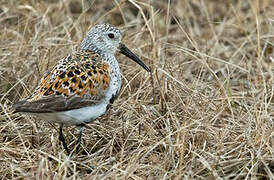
111 35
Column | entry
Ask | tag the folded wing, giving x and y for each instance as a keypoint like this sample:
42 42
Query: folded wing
80 80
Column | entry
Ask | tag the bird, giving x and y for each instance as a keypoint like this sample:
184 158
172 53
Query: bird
81 86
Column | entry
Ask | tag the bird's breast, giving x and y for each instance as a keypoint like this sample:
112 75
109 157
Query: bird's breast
114 87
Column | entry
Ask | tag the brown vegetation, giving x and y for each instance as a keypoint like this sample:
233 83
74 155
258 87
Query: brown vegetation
205 111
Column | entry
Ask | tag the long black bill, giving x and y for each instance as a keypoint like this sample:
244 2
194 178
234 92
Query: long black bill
125 51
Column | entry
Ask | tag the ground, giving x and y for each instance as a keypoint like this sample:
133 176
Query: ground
204 112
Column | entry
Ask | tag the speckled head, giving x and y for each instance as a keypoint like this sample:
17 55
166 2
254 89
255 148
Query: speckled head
103 39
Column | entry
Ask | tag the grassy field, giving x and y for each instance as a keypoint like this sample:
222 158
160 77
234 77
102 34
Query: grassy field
204 112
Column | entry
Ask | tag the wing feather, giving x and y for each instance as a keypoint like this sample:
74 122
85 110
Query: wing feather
80 80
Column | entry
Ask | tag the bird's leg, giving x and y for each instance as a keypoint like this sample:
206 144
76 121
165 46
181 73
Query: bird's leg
79 137
62 139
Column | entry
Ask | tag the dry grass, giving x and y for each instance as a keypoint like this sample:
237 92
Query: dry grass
206 110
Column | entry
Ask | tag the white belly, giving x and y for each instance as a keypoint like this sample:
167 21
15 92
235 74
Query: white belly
75 116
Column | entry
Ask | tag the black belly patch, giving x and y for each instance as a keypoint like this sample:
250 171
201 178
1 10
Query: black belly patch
111 101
